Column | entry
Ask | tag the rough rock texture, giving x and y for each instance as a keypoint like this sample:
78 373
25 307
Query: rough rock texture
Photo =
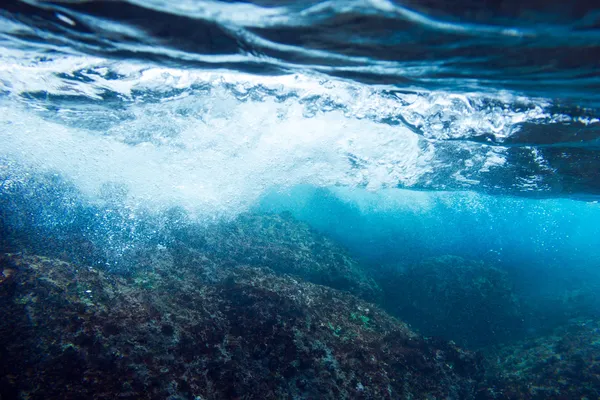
71 332
45 214
279 242
466 301
562 365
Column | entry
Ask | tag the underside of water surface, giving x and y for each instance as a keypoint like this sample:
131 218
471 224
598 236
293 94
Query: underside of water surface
299 199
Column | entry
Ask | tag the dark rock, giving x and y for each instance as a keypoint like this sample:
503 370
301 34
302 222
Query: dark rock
70 332
32 219
466 301
562 365
278 242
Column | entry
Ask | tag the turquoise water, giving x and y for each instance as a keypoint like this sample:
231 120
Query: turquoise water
398 224
548 247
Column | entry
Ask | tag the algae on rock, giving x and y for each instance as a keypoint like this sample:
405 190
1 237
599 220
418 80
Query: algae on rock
252 335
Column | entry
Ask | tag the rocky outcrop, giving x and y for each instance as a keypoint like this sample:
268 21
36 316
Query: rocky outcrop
564 364
276 241
469 302
73 332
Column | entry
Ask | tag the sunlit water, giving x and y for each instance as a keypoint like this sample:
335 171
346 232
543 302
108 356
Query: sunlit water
403 131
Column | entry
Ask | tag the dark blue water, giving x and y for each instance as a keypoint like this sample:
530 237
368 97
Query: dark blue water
405 131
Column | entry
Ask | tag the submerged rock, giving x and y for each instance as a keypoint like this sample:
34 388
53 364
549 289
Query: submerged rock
279 242
466 301
108 235
73 332
562 365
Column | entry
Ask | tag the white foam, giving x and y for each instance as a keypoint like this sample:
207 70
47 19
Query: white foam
214 142
221 165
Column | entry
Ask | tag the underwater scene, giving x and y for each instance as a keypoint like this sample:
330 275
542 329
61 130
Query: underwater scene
299 199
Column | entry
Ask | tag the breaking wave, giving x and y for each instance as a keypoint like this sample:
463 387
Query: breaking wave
210 105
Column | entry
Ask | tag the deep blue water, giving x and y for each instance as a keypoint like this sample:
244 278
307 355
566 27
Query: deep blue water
403 130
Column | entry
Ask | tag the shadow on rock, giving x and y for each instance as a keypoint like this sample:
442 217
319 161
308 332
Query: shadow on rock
469 302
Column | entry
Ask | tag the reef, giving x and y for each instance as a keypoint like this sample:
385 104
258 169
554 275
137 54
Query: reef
276 241
467 301
32 218
264 307
564 364
71 331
